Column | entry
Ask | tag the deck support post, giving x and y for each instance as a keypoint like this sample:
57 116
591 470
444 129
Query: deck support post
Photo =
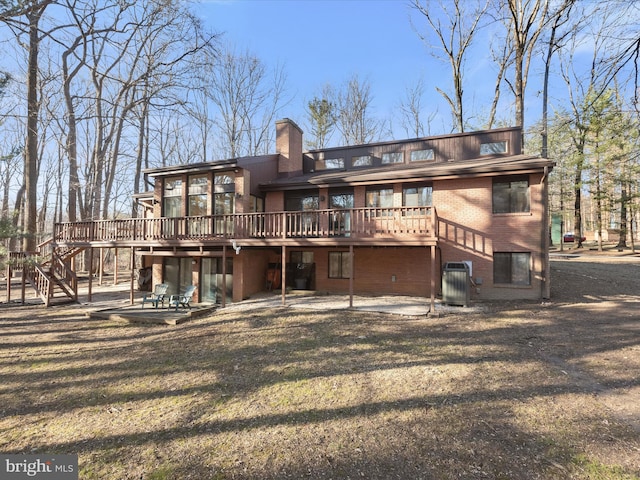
9 273
101 263
90 286
283 263
224 275
351 263
432 308
132 263
24 282
115 266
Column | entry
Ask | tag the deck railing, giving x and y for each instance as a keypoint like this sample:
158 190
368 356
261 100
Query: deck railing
355 222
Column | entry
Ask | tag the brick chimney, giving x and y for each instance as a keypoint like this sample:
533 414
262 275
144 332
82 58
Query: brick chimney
289 146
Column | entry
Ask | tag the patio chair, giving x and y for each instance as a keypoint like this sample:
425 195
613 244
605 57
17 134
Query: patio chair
157 296
184 299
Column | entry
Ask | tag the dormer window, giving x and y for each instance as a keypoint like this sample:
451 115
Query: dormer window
362 161
330 164
422 155
392 157
493 148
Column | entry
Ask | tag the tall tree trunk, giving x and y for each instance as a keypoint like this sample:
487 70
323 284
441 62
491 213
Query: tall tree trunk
31 151
622 241
140 155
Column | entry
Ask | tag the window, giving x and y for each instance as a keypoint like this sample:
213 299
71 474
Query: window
301 201
380 198
197 195
393 157
172 197
301 257
512 268
417 196
362 161
493 148
223 208
511 195
222 179
333 163
256 204
340 219
421 155
339 265
305 223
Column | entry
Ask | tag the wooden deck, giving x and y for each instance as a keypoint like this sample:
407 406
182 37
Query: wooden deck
356 225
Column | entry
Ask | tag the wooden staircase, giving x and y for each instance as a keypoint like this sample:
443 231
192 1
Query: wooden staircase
50 273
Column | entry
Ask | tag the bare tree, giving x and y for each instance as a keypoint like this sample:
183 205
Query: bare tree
354 118
525 23
584 88
559 17
12 15
412 111
247 100
454 37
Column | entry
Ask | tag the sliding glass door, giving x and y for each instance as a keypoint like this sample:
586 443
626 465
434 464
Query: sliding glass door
211 279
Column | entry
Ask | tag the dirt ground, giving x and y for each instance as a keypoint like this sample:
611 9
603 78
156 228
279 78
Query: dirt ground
528 390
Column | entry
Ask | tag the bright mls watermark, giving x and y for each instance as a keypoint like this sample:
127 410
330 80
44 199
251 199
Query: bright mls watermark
39 467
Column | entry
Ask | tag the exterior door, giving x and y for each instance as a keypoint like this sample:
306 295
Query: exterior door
341 203
177 273
211 280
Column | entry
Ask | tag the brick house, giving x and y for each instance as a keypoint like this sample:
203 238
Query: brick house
381 218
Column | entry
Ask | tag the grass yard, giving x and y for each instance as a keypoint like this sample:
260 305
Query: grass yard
521 392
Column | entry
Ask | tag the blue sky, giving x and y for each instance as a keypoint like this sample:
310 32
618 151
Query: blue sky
327 41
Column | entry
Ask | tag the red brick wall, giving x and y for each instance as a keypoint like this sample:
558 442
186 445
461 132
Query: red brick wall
289 146
375 269
470 231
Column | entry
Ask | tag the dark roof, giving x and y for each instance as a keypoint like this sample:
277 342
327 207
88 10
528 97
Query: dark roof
422 172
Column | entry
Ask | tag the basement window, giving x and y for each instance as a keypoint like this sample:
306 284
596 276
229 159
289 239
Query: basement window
512 268
339 265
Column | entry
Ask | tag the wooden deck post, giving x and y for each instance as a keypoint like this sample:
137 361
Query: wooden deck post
115 266
24 282
224 275
9 273
351 264
284 274
132 263
433 279
89 290
101 267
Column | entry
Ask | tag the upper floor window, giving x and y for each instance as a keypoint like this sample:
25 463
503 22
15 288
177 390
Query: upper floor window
379 198
332 163
362 161
301 201
417 196
421 155
392 157
256 204
511 195
198 195
172 197
493 148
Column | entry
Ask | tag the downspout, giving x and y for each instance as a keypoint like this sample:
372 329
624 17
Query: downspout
545 285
